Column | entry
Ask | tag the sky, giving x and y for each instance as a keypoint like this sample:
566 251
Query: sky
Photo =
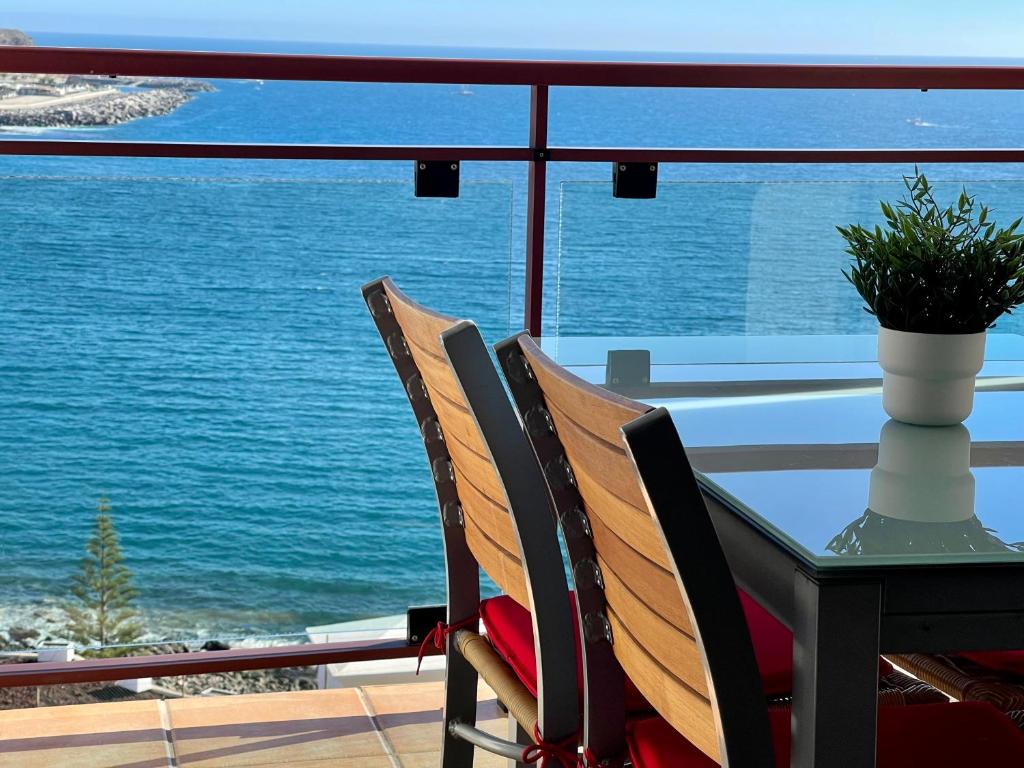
993 28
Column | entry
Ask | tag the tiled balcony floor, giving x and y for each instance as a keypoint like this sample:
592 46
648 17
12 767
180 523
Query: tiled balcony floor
375 727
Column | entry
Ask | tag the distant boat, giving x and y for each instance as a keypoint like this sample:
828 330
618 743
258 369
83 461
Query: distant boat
920 123
465 91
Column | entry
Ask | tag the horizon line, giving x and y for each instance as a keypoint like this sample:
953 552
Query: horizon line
439 46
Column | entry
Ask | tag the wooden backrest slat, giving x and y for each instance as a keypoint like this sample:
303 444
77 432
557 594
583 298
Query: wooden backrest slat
421 326
436 374
490 537
504 569
652 627
606 503
679 704
602 416
599 458
634 568
479 470
488 516
683 658
457 423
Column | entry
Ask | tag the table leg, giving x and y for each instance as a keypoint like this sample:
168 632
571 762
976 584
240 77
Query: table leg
835 674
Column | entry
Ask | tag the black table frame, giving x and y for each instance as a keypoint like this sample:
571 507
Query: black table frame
842 618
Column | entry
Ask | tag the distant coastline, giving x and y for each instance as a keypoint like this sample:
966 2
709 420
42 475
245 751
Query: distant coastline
70 101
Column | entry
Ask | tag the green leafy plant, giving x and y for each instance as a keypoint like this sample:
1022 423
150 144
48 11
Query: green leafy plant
936 269
103 611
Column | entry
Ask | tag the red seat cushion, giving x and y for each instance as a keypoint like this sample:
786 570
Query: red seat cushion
1010 662
773 647
925 736
510 629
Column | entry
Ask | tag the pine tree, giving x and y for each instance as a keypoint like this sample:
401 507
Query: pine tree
104 612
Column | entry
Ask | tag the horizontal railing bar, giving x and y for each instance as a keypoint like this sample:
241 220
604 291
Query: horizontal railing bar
235 660
91 61
259 151
199 150
796 155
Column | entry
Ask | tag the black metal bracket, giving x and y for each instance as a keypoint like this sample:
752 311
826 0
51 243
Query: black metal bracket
635 180
436 178
420 619
627 368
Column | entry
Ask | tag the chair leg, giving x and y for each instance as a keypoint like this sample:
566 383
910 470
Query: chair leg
459 705
520 736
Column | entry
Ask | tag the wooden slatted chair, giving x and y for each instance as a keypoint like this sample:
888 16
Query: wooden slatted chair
657 601
495 516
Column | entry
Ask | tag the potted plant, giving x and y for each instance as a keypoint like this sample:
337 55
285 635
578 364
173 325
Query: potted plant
937 278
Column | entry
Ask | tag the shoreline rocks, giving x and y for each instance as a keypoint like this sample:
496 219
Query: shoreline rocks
247 681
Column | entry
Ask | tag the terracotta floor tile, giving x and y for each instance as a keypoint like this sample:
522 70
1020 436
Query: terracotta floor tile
274 729
420 760
79 718
486 760
269 707
334 762
149 754
432 760
122 734
309 729
410 715
481 759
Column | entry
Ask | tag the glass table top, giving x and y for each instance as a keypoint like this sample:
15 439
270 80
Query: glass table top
791 432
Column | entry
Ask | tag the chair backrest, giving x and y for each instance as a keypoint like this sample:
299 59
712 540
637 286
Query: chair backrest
670 611
495 510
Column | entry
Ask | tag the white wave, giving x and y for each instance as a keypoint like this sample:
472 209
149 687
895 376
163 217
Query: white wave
23 130
37 130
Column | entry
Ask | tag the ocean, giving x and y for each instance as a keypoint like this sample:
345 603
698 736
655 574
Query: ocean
187 338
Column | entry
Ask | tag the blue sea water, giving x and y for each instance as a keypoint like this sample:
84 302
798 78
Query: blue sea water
187 337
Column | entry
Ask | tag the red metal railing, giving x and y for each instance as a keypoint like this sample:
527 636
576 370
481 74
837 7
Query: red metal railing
269 66
235 660
540 76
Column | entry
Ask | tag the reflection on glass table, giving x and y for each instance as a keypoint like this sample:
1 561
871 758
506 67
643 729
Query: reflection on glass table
785 432
921 497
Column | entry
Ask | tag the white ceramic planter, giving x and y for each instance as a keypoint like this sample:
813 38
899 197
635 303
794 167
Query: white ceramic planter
923 475
928 378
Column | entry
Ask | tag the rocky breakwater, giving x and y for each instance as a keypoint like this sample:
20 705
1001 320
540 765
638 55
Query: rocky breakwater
108 106
73 101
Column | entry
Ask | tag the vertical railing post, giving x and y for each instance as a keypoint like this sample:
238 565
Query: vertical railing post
535 198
